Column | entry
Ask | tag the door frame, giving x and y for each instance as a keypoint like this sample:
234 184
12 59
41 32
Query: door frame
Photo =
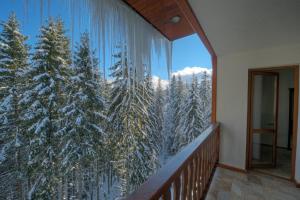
291 91
274 130
295 69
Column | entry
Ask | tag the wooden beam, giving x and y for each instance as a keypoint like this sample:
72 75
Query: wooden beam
159 13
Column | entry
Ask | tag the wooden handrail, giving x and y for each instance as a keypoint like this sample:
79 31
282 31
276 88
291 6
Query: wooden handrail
187 175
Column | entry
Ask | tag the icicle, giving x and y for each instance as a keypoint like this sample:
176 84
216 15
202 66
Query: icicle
49 8
115 24
41 11
169 52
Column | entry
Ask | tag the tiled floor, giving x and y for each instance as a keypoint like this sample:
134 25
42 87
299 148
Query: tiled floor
283 167
229 185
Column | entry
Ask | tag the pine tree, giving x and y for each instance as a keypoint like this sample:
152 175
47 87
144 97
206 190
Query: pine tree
13 60
180 96
191 121
172 121
153 123
205 97
135 150
43 99
118 90
169 125
158 111
82 144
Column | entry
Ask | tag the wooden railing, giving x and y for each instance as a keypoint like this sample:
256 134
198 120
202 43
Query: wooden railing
188 174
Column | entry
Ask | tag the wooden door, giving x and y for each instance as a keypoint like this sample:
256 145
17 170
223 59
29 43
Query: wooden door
263 118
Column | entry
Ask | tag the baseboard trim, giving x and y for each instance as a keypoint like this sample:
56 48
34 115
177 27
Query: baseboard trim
297 184
232 168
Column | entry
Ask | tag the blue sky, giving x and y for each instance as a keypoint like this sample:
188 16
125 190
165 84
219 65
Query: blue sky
187 52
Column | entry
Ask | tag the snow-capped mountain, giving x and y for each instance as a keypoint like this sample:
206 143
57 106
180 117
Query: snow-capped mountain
186 75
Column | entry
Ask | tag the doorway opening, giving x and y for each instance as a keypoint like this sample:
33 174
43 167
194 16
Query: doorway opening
272 120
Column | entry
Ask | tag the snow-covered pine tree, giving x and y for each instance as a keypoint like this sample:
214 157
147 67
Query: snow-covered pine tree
205 98
191 122
180 95
13 60
118 90
158 111
152 125
169 124
174 103
43 99
82 144
129 117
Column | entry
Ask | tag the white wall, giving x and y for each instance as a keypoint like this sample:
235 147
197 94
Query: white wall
232 92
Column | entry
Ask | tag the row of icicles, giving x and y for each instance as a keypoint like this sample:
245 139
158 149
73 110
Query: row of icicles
114 25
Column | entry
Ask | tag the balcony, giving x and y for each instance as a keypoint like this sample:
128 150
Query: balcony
194 174
188 174
254 47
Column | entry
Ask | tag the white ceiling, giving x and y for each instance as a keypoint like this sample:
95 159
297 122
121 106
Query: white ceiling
243 25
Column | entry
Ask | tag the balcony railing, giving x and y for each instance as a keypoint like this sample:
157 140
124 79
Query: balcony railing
188 174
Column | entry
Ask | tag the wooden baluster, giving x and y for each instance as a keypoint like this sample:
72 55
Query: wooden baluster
201 171
167 194
207 163
215 152
211 155
215 147
218 143
185 183
193 178
208 158
190 178
197 175
212 151
177 188
204 168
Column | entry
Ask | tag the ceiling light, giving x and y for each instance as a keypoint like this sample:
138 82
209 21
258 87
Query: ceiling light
175 19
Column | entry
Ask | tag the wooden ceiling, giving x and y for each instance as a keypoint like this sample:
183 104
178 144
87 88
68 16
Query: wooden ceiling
159 13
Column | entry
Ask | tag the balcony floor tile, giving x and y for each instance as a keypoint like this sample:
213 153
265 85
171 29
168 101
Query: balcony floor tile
227 184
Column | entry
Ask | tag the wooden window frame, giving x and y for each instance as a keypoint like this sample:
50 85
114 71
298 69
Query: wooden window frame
194 23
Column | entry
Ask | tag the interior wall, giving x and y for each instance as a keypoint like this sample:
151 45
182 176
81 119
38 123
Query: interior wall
232 98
